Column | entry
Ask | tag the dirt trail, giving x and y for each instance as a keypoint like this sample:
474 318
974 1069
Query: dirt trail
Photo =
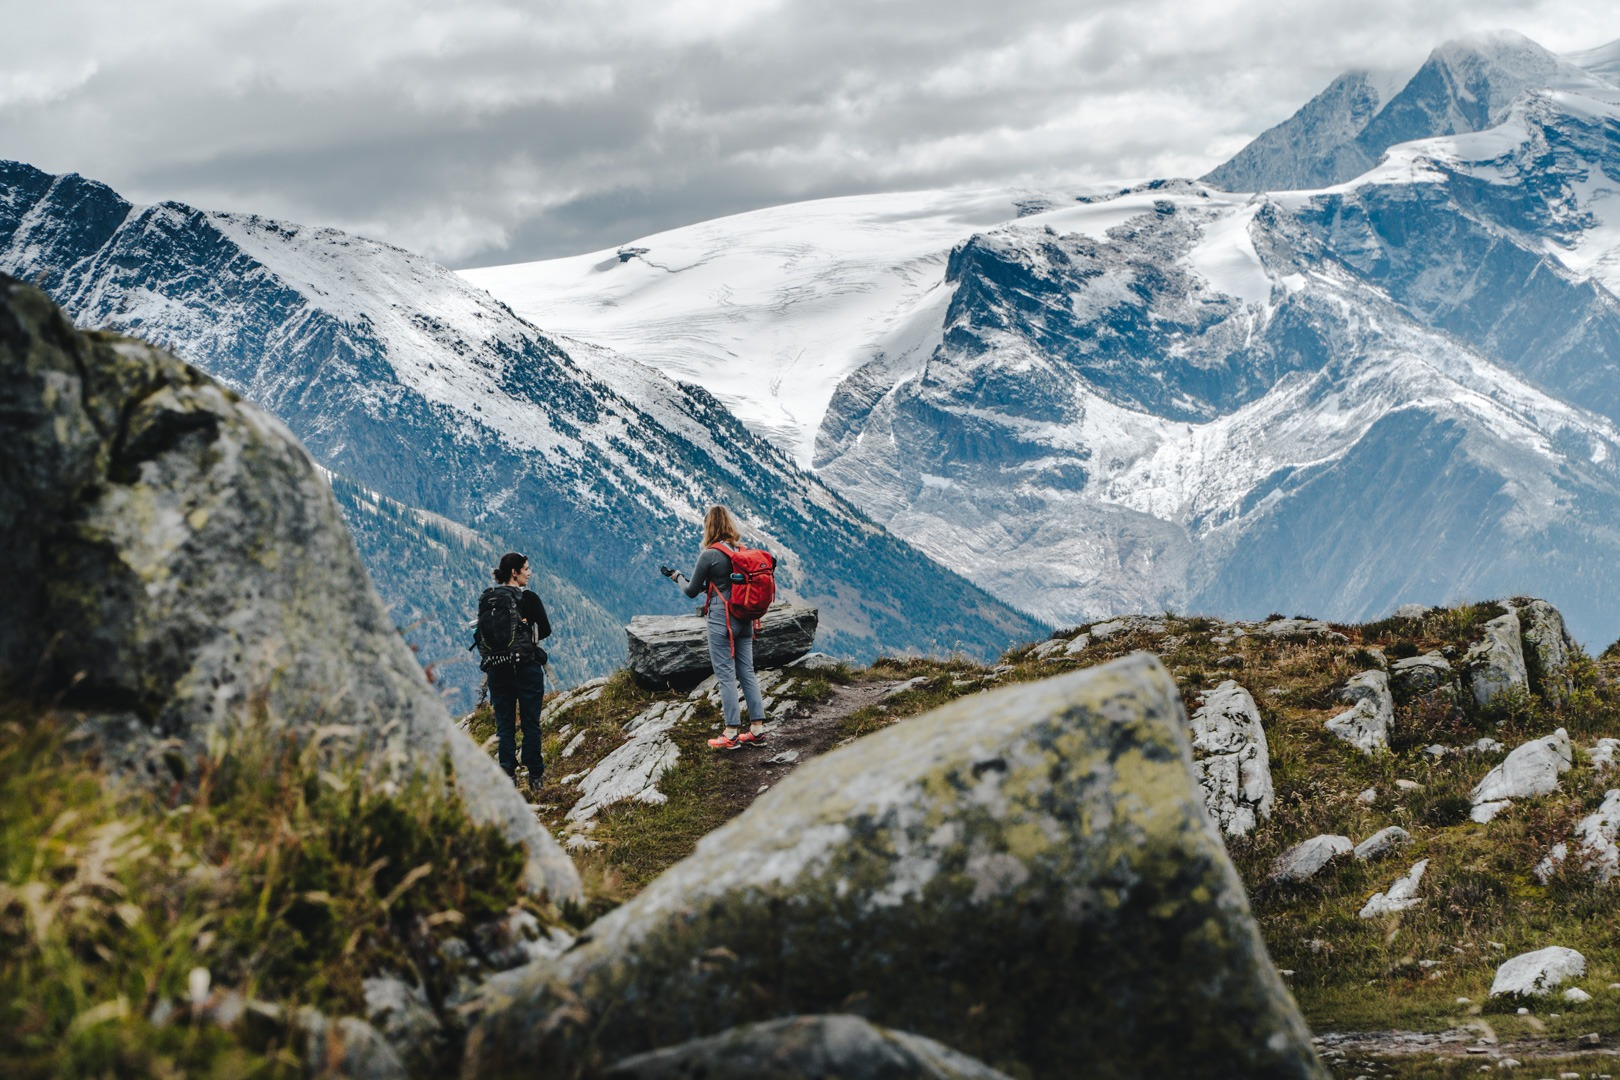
805 731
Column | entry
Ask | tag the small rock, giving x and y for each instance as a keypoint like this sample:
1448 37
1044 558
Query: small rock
1231 759
1596 838
1366 724
1411 611
1368 797
1232 660
1078 645
1589 1040
1495 664
1419 674
1537 973
1465 1001
1401 896
1507 1063
1306 858
815 661
900 688
1486 745
1409 785
1576 996
1522 1011
1436 752
1602 754
1382 842
786 757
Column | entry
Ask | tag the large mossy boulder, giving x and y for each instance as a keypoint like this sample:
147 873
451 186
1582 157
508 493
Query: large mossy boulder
177 563
1028 876
806 1048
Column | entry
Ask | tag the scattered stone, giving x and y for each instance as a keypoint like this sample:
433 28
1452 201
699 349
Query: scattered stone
1368 797
1589 1040
1047 648
1382 842
1595 843
973 835
347 1047
815 661
633 770
1366 725
1302 861
1401 896
1602 754
1232 660
1436 752
1576 996
1078 645
573 745
1508 1063
1486 745
1532 769
1129 624
224 575
900 688
1495 664
1408 785
673 650
579 695
806 1048
1419 674
786 757
401 1012
1411 611
1535 974
1231 759
1297 628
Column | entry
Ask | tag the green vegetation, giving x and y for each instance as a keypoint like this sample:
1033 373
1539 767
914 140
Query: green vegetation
281 872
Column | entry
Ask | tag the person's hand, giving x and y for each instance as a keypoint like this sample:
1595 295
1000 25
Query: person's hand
666 571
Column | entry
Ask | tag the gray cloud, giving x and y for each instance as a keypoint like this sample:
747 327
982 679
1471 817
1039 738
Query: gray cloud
489 132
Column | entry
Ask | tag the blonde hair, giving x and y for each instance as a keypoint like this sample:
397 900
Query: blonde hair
718 526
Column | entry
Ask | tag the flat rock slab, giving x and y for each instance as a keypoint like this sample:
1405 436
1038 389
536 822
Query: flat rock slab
673 650
1028 876
1305 859
1401 895
806 1048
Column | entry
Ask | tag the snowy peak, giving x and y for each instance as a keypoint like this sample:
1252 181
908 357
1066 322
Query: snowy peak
1465 85
1603 61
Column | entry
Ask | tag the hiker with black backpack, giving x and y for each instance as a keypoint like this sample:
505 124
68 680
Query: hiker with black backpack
511 624
744 581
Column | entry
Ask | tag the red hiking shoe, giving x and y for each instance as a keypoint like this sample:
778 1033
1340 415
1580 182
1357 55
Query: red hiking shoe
751 737
725 742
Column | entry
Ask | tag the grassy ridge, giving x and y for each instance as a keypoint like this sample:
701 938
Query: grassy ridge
277 870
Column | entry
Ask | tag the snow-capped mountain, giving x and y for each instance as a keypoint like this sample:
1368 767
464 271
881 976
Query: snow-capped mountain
1464 86
1400 385
401 377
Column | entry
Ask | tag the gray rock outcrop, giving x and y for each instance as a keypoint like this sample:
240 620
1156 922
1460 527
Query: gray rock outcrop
1530 770
1417 675
1535 974
175 557
673 650
1365 725
806 1048
1027 875
1233 763
1595 847
1305 859
1495 664
1548 648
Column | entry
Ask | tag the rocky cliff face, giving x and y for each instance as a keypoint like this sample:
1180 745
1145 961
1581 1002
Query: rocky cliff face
179 563
399 376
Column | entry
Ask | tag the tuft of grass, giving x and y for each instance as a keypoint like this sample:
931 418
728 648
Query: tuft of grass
286 875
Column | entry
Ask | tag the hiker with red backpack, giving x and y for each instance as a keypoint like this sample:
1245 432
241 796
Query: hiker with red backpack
744 582
511 624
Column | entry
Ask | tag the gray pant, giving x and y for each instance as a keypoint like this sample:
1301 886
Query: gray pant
729 670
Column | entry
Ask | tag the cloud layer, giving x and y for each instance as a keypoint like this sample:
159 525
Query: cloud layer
487 132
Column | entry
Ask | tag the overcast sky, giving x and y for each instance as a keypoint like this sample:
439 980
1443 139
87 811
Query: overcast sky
488 132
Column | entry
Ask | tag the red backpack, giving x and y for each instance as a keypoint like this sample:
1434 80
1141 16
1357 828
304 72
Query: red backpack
753 582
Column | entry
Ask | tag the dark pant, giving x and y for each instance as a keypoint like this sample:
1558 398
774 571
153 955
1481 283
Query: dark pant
518 690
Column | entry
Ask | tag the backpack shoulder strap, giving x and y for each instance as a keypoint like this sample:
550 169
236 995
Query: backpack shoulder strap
722 548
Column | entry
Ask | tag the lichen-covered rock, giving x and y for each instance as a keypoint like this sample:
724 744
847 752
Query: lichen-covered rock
1548 648
1401 896
1419 674
1305 859
1532 769
1365 725
1234 765
1537 973
173 553
806 1048
1595 846
1495 664
673 650
1027 875
1382 843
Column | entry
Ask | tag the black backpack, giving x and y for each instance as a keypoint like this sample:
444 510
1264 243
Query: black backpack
501 637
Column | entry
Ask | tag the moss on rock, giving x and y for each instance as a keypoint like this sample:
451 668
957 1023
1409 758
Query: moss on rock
1028 876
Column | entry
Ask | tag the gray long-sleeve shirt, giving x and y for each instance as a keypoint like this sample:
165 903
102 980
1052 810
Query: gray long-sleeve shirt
713 568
